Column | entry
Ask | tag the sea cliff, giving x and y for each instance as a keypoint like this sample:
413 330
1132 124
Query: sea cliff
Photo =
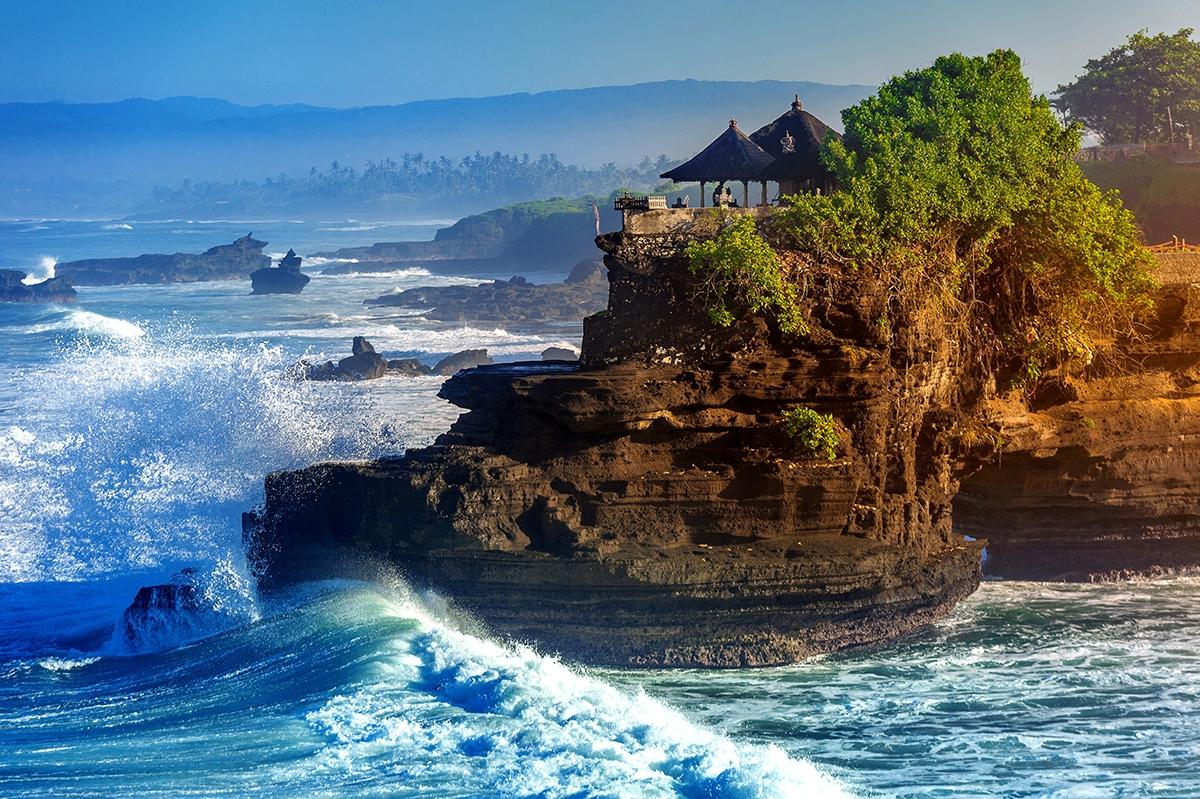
1094 477
647 507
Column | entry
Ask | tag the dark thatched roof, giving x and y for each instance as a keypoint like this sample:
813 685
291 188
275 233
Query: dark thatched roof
731 156
808 132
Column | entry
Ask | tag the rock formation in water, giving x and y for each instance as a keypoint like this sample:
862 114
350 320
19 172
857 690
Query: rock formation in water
12 289
511 302
283 279
559 354
1095 475
365 363
530 236
647 507
223 262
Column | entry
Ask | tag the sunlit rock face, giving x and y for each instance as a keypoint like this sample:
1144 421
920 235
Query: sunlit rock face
1097 475
646 507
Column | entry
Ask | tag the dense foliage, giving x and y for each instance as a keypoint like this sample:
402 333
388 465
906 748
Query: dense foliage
1164 196
958 175
1145 89
739 268
475 179
814 433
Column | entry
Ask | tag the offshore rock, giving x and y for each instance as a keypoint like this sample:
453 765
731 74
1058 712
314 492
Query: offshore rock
1095 477
365 363
56 289
283 279
645 507
223 262
467 359
514 301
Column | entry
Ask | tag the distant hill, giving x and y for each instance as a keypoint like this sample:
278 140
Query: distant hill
49 149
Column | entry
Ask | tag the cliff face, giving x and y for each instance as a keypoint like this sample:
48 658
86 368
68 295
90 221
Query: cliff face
223 262
1096 476
647 508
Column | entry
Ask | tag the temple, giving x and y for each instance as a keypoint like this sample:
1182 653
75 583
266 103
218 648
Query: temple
786 152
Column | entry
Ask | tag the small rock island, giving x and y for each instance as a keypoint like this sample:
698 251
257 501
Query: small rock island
514 301
286 278
223 262
364 363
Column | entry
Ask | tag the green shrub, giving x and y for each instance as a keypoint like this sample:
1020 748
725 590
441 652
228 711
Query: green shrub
960 173
815 433
738 269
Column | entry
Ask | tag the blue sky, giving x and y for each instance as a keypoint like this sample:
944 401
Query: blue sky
359 52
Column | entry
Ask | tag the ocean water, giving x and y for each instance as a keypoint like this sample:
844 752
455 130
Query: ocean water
137 426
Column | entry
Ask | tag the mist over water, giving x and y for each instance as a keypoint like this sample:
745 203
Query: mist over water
136 428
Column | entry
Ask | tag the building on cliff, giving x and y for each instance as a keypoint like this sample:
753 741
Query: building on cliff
786 151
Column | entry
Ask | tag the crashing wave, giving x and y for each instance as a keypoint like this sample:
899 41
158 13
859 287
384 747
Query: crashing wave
516 723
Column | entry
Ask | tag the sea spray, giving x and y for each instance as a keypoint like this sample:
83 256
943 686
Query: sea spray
440 704
43 271
134 451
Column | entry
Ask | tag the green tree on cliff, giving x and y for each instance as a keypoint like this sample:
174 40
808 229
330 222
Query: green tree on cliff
1145 89
959 173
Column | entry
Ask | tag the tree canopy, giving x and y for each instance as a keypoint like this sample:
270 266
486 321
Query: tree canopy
1147 89
960 174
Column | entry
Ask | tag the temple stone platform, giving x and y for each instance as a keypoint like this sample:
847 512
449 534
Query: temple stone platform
659 221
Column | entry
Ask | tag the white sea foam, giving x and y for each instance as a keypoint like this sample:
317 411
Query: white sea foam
143 450
352 226
90 323
510 722
118 226
43 271
65 664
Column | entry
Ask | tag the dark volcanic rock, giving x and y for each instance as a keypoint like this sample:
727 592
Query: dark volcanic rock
56 289
365 363
410 367
510 301
223 262
646 507
158 611
559 354
467 359
283 279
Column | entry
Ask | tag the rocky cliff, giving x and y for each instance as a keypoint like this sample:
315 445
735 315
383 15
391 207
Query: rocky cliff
647 507
1096 472
223 262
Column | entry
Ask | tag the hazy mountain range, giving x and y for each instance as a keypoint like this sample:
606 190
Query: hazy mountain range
55 154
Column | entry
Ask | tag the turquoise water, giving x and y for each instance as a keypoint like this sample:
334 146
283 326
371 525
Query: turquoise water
136 427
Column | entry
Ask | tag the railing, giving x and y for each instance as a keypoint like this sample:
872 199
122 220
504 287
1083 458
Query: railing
639 202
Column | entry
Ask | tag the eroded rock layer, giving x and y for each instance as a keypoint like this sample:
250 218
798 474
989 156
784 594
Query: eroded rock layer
1097 475
647 507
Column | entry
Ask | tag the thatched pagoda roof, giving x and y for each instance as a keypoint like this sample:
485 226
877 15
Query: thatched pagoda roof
731 156
808 134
